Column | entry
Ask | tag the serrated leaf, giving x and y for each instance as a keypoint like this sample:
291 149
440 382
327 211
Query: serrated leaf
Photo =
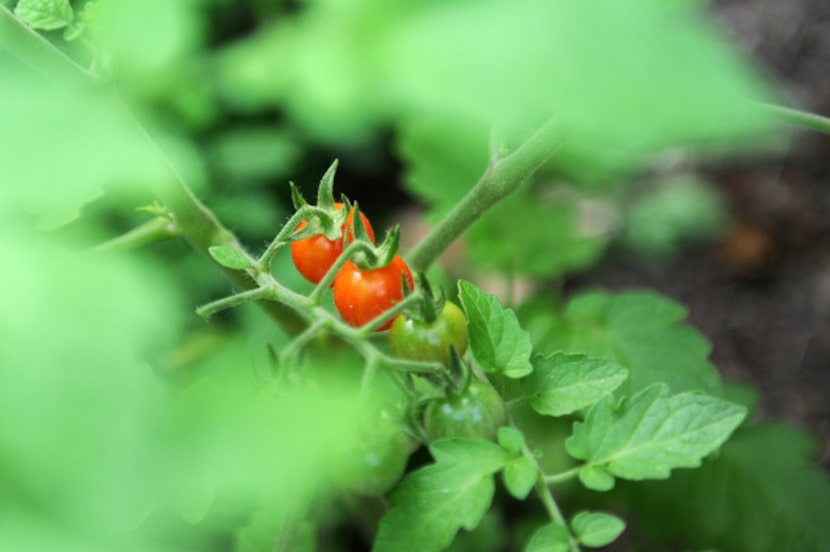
647 436
519 476
595 529
641 331
763 492
432 503
229 257
553 537
596 478
496 338
47 15
511 439
562 384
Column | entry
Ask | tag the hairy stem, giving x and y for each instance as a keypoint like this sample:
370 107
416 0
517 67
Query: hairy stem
502 178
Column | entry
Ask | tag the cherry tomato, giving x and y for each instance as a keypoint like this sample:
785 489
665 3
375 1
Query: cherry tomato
430 341
372 463
477 412
313 256
362 295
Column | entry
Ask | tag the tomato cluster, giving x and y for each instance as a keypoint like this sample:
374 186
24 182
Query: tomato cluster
360 295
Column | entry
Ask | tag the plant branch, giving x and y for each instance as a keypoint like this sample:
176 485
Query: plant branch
502 178
800 118
562 477
156 229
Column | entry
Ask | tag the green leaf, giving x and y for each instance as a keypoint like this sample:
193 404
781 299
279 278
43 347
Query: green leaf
640 331
444 160
539 234
520 474
432 503
763 492
596 478
596 529
674 212
648 435
562 384
47 15
553 537
229 257
511 439
496 339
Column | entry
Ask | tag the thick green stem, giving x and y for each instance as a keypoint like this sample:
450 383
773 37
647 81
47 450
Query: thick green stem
502 178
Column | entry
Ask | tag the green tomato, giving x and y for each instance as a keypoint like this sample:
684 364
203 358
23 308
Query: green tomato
372 463
477 413
430 341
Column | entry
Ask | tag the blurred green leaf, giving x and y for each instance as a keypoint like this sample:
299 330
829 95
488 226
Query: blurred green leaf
562 384
597 529
511 439
45 14
761 493
443 160
229 257
520 474
596 478
146 41
648 435
496 338
246 154
609 73
641 331
536 236
432 503
552 537
678 211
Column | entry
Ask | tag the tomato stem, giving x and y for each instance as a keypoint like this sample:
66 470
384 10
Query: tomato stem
156 229
502 178
566 475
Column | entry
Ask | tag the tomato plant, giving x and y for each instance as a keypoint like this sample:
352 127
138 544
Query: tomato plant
154 430
477 412
315 255
362 295
415 339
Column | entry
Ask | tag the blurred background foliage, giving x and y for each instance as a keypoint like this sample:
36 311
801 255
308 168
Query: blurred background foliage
125 421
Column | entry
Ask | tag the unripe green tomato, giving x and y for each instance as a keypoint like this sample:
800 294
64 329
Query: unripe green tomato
477 413
376 460
430 341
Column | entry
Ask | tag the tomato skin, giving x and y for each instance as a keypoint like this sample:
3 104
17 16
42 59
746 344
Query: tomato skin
314 256
430 341
477 413
360 296
375 460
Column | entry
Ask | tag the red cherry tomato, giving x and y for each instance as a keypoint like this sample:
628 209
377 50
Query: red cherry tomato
361 296
313 256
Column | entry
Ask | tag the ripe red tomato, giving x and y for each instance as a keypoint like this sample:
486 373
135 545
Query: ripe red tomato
361 296
313 256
